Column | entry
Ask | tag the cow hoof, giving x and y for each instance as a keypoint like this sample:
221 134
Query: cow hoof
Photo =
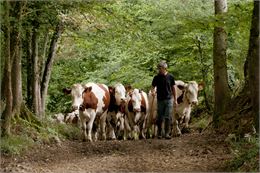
120 137
185 130
176 134
84 140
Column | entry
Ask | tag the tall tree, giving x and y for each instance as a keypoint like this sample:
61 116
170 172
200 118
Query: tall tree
221 88
253 63
7 87
12 83
38 65
48 65
35 71
16 54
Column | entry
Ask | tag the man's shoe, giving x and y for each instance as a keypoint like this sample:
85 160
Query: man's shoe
168 137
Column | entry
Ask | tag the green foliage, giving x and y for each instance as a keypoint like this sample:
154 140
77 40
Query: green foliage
65 131
246 156
28 134
15 144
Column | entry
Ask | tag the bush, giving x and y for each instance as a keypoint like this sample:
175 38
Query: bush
26 134
246 156
15 144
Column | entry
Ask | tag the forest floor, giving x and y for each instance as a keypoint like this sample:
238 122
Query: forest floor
191 152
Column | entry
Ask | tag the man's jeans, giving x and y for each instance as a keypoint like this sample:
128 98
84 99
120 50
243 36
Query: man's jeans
164 110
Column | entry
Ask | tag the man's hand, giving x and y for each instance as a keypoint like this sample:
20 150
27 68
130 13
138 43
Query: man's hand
175 102
153 92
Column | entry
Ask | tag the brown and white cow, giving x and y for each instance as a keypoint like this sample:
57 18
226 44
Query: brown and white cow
116 111
96 99
92 101
187 96
137 111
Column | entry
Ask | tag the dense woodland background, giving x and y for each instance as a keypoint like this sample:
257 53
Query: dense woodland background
49 45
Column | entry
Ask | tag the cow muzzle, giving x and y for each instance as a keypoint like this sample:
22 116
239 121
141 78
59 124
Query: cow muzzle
123 100
194 103
74 108
137 110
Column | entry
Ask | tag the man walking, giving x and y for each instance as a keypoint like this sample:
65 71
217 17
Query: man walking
166 96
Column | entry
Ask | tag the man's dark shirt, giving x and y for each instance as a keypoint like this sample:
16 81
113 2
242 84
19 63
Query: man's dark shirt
164 84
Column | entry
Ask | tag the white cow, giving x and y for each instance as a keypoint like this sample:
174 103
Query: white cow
137 111
187 94
116 111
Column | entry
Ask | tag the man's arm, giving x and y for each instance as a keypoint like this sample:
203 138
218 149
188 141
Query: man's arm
153 91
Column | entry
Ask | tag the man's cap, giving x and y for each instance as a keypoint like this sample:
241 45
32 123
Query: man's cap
162 64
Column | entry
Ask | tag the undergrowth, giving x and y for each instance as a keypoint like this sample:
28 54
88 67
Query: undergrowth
27 134
246 154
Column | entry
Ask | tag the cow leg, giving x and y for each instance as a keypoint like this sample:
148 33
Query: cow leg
112 134
187 119
90 125
143 131
103 125
84 118
186 128
127 129
154 127
120 132
110 125
175 130
136 128
84 128
143 126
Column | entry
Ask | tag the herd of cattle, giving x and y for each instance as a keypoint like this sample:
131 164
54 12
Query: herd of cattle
123 112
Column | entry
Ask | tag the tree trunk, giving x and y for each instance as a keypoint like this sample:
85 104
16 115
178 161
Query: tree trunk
17 82
7 114
16 50
36 76
221 88
49 63
43 54
253 63
28 45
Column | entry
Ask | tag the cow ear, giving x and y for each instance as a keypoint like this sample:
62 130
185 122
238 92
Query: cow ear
66 90
128 88
181 87
201 85
111 89
87 89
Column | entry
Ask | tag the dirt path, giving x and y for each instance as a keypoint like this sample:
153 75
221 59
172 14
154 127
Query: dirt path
192 152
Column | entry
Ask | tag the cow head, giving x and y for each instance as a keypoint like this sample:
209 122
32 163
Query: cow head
136 100
119 93
76 94
190 91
